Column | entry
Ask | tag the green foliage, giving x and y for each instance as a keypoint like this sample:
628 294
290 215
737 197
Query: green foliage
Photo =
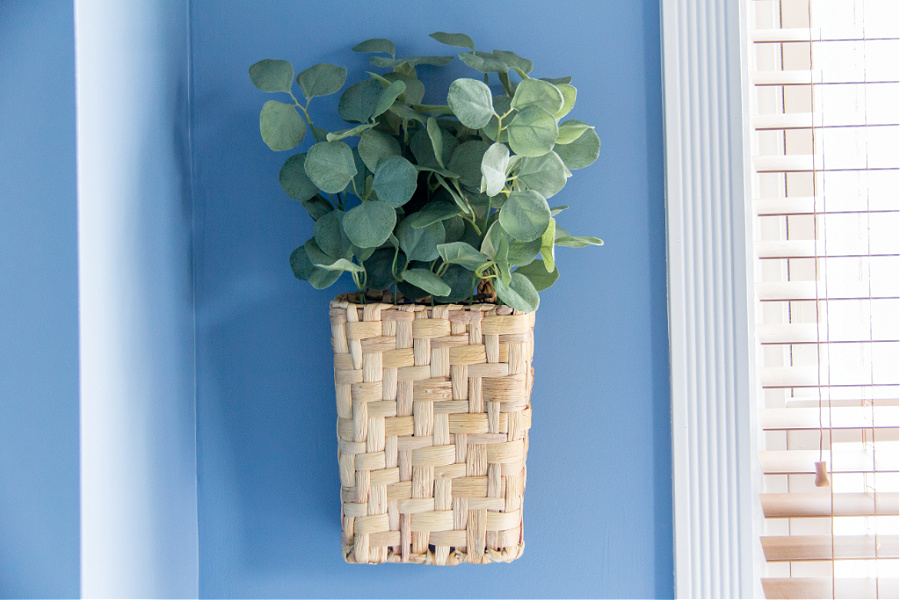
430 200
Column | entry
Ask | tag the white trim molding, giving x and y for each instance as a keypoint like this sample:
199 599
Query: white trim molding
710 314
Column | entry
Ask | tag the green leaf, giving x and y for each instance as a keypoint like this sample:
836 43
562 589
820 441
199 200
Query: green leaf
388 95
395 180
461 282
471 102
330 166
376 46
384 61
569 93
570 133
362 254
547 246
426 280
576 241
557 209
415 89
558 80
317 207
538 275
466 161
583 151
294 181
342 264
300 264
544 174
437 139
461 253
272 75
514 61
493 168
378 268
329 234
433 212
525 216
359 184
351 132
534 92
423 150
459 40
434 61
281 127
375 145
482 62
420 243
519 294
532 132
503 248
321 80
405 112
358 101
370 224
321 278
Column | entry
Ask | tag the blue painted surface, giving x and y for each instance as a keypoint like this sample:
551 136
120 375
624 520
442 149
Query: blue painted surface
138 470
268 483
39 501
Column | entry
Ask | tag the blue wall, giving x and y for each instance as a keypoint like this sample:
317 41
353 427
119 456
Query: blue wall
39 498
268 486
138 453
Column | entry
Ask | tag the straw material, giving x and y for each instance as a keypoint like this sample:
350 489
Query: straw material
433 416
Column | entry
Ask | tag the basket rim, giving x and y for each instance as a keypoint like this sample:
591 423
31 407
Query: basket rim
349 299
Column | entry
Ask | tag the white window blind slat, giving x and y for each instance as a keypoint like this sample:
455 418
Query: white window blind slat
824 133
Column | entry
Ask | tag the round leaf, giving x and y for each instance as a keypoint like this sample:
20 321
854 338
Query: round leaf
466 162
459 40
525 216
358 101
493 168
483 62
272 75
583 151
519 294
329 234
534 92
437 139
544 174
569 94
375 145
532 132
471 102
538 275
395 180
433 212
300 264
461 282
426 280
321 80
420 243
415 89
294 181
375 45
370 224
387 97
461 253
281 127
514 61
317 207
570 133
321 278
330 166
378 268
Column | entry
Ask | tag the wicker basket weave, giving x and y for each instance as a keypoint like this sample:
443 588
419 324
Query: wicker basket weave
433 416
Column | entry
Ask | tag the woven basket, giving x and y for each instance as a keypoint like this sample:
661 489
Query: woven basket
433 416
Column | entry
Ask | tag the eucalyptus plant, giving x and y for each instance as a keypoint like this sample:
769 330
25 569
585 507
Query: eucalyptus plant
434 201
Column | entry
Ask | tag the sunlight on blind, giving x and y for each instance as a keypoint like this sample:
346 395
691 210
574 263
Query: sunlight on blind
825 141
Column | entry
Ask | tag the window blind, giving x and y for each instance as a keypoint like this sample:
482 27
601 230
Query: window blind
824 89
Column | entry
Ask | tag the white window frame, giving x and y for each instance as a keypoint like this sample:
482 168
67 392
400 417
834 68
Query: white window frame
709 232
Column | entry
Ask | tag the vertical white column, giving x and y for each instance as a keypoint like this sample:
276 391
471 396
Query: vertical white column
138 451
709 306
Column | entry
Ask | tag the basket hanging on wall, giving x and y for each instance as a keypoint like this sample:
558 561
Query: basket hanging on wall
433 411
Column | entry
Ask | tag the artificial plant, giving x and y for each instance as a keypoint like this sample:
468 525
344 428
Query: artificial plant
438 202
